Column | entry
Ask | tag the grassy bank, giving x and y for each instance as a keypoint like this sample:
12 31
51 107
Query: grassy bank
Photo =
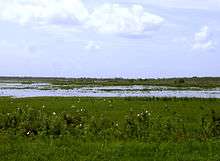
114 129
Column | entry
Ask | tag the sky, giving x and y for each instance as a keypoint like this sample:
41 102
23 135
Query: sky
110 38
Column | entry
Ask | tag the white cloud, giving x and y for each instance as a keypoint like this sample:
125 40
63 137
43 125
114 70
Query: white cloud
113 18
93 45
202 35
43 11
202 39
71 14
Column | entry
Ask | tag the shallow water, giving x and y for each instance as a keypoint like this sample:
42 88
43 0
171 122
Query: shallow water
23 86
36 90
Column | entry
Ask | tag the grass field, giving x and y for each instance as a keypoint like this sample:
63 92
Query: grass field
111 129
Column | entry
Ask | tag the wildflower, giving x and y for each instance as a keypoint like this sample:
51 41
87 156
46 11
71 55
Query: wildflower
104 100
146 111
73 106
54 113
81 110
8 114
43 106
28 133
138 115
80 125
116 124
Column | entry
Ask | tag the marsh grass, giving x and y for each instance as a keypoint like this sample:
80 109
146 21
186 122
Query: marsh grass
109 129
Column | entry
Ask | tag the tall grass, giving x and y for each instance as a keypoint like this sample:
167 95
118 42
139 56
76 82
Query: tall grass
141 127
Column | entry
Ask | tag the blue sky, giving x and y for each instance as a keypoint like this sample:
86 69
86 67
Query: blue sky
120 38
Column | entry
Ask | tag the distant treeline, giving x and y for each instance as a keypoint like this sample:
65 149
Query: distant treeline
205 82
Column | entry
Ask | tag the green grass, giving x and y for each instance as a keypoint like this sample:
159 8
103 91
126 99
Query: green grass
111 129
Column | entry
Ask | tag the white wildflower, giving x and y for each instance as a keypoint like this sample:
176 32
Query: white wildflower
54 113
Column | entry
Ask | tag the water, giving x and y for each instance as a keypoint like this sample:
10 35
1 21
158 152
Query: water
37 90
23 86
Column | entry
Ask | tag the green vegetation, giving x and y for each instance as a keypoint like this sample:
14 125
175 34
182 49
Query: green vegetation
68 83
111 129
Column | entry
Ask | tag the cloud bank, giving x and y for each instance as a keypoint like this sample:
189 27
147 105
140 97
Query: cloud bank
43 12
106 18
113 18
